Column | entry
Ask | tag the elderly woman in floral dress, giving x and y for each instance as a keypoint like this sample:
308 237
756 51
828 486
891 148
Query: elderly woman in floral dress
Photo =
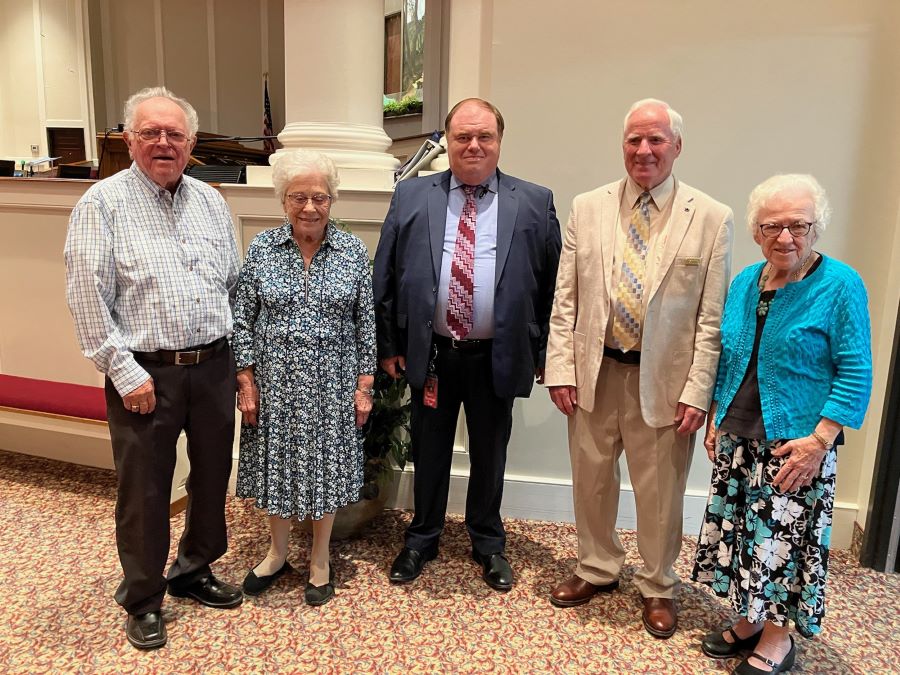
796 367
304 341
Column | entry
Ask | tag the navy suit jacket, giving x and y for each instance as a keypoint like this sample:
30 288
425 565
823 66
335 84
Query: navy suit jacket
408 264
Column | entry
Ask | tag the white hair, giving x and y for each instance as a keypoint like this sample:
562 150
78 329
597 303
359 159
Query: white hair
286 166
676 123
780 184
147 93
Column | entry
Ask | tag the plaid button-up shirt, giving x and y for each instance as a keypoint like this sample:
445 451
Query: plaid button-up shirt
146 270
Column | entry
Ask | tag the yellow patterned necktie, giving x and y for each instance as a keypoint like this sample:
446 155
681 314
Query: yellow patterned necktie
629 308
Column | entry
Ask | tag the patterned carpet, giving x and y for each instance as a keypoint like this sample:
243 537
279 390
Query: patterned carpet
60 570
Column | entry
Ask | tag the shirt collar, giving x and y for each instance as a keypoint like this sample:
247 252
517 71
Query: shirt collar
660 195
149 184
285 235
491 183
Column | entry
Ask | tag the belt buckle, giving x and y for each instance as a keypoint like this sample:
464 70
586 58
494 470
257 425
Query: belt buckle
191 358
454 343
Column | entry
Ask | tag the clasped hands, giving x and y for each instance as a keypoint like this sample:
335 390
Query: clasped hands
804 459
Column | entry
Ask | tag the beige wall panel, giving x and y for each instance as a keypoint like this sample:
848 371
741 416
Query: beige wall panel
102 117
763 88
186 54
37 335
133 48
59 47
19 113
239 69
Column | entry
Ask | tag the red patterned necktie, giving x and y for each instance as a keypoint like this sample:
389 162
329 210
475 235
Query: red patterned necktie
460 302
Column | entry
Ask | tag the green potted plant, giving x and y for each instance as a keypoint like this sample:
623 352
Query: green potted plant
386 445
386 441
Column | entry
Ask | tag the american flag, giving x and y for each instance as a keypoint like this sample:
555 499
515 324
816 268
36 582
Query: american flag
268 144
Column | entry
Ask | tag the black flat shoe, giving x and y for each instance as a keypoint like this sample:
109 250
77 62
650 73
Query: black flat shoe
496 570
409 563
146 631
318 595
211 592
744 668
254 585
715 646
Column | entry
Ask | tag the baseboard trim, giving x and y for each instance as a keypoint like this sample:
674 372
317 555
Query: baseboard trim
534 498
538 498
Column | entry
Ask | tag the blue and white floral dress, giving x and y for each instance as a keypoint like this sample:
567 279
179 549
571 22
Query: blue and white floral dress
309 333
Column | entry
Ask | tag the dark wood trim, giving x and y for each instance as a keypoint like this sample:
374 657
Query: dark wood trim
879 549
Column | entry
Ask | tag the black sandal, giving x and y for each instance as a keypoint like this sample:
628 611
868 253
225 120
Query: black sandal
715 646
744 668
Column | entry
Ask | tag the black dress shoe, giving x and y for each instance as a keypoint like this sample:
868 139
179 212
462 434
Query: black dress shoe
744 668
497 572
146 631
254 585
211 592
715 646
409 563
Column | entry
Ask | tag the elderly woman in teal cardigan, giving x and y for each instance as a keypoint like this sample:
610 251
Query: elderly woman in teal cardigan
795 368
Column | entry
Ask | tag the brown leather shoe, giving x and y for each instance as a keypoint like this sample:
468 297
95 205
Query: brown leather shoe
660 617
577 591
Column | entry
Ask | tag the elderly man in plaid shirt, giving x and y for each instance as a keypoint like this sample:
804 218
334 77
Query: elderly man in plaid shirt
152 267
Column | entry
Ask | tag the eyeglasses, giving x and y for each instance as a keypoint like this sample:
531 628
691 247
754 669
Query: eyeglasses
798 229
152 135
300 199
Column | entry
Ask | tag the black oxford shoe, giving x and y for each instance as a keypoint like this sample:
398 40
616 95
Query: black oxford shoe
146 631
211 592
496 570
409 563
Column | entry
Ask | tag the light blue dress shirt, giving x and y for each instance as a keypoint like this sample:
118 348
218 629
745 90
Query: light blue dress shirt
485 258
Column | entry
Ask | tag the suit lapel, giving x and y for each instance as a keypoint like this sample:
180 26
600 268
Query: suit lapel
507 209
682 213
437 219
610 216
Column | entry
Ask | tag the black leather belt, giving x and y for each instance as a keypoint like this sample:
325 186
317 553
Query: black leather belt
442 342
631 358
183 357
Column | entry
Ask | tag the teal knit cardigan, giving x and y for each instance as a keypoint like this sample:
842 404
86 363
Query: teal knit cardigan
815 354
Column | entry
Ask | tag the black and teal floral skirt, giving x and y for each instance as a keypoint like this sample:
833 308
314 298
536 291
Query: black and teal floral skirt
766 550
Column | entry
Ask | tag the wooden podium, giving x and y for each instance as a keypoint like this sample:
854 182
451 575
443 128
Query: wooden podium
113 152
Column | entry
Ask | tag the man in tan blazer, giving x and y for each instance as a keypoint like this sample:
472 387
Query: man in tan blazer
632 356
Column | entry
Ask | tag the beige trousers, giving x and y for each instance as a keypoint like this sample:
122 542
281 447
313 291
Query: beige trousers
658 462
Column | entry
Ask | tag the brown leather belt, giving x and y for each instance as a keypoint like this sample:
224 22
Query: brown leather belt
183 357
443 342
631 358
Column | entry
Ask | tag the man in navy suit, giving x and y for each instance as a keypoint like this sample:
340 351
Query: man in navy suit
464 277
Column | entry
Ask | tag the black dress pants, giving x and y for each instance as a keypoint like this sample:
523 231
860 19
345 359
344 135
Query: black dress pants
464 377
200 399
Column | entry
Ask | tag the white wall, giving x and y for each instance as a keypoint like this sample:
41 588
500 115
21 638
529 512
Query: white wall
764 87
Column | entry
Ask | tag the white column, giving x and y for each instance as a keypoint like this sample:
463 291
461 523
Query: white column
334 75
469 56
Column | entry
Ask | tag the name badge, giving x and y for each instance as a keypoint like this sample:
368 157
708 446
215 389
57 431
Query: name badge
688 262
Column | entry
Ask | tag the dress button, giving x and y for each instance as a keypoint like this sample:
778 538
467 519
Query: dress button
428 324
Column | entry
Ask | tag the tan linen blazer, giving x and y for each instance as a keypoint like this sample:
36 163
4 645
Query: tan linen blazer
680 342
